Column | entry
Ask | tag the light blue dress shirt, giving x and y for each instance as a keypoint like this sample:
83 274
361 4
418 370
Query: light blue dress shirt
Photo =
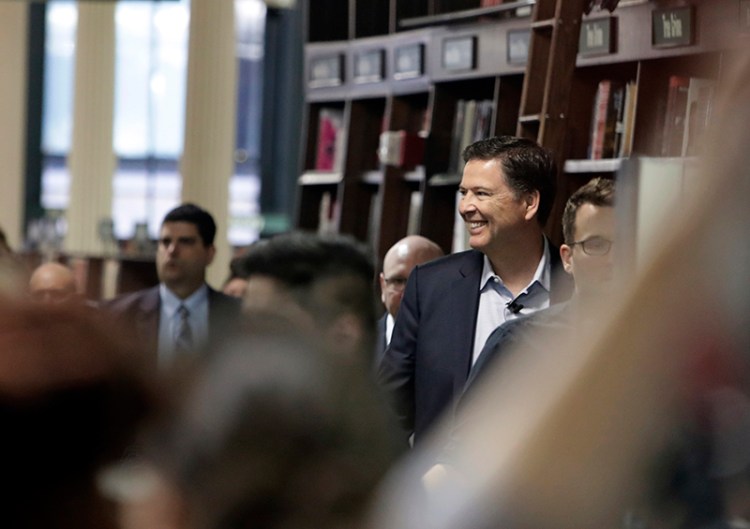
494 298
169 320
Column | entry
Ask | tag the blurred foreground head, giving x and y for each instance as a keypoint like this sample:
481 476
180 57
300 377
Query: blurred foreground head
71 398
53 283
323 282
272 433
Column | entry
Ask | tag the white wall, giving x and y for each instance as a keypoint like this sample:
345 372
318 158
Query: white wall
13 30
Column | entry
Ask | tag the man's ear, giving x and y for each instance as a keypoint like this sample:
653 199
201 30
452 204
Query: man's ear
381 279
211 254
566 255
532 204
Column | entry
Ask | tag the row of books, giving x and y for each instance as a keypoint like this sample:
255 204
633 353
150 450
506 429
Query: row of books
688 112
613 120
687 115
471 122
689 105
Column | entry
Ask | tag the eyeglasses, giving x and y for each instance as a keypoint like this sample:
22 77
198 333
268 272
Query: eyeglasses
396 283
595 246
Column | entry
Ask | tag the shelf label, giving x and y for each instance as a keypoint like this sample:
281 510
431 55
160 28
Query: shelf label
672 27
326 71
597 36
459 53
409 61
744 15
518 46
368 66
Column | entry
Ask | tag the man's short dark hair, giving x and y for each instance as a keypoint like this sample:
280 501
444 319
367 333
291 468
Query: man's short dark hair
597 192
326 274
194 215
527 167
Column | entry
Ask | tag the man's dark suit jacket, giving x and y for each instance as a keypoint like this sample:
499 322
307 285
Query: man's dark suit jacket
530 331
555 319
380 343
427 362
140 312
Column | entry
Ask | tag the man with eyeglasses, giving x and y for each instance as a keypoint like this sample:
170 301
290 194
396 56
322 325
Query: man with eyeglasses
398 263
588 229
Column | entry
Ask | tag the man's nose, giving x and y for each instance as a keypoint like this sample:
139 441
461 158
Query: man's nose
466 204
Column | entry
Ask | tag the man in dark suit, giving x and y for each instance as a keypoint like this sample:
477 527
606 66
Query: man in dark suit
450 306
399 261
181 315
589 232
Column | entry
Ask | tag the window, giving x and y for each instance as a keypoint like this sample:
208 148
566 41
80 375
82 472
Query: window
150 87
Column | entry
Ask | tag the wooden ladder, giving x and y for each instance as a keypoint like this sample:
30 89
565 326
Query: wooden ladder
543 114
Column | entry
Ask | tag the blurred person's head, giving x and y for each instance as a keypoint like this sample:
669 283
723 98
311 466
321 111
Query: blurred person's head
236 282
507 189
325 282
186 249
72 395
273 432
398 263
5 248
53 283
589 231
13 273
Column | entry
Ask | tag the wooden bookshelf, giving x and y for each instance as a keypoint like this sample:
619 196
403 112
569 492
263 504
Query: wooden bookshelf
404 66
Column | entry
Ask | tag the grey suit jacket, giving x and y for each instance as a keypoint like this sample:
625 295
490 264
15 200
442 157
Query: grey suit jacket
140 313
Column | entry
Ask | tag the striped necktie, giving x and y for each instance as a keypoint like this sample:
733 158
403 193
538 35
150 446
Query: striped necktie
183 340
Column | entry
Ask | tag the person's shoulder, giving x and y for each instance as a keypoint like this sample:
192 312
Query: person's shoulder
130 300
552 316
453 261
226 302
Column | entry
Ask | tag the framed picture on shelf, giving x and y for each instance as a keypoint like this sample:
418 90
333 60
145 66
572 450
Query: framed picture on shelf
459 53
673 27
518 46
369 66
408 61
598 37
326 71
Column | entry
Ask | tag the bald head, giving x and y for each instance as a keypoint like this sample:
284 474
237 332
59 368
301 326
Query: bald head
52 283
399 261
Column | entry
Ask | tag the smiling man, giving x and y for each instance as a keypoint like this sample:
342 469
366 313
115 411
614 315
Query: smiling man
589 232
451 306
182 315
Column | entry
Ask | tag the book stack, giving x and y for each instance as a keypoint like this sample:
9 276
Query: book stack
689 105
698 109
674 118
613 120
471 122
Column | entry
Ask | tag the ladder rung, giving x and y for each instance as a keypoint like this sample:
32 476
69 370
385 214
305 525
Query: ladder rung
530 118
544 24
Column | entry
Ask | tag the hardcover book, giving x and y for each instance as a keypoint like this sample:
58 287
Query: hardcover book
330 140
674 118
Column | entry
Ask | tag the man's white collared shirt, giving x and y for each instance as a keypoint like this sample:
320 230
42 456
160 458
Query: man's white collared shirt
494 298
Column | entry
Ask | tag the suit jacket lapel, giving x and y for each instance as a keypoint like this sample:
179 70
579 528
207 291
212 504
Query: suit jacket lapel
147 319
464 296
